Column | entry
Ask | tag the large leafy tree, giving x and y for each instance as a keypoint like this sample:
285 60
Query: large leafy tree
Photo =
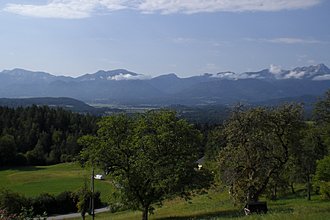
152 156
257 145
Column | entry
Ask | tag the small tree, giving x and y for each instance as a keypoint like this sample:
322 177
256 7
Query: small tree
84 195
151 156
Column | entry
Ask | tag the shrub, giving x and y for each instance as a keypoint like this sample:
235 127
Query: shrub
325 190
322 176
44 203
12 202
66 202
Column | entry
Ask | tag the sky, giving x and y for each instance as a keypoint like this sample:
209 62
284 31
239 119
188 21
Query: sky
154 37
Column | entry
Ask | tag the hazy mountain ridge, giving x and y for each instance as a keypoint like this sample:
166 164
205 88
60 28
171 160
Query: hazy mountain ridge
125 87
60 102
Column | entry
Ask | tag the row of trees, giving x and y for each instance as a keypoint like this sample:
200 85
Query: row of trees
41 135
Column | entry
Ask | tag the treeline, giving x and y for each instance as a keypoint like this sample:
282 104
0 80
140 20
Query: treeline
41 135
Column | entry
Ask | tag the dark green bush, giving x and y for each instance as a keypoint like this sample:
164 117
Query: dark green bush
12 202
66 202
44 203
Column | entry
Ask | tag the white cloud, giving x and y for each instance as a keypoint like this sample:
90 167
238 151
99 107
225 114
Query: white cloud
67 9
128 77
75 9
323 77
235 76
275 69
196 6
183 40
288 40
295 74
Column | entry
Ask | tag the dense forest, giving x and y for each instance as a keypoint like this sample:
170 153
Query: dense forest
41 135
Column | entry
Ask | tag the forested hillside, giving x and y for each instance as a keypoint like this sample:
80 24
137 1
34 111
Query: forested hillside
41 135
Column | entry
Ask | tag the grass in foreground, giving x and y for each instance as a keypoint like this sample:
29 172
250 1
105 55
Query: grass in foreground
34 180
31 181
218 206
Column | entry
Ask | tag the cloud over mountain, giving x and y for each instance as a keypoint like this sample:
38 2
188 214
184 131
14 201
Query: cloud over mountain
126 87
76 9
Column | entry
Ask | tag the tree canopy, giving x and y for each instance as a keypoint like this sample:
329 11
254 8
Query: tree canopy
256 146
41 135
152 156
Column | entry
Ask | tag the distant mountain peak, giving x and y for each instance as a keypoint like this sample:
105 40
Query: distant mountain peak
117 74
312 72
167 76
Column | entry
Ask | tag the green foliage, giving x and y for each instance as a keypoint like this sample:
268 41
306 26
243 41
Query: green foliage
322 109
216 142
7 150
322 176
84 195
322 117
304 158
12 202
45 202
256 147
66 202
41 135
151 156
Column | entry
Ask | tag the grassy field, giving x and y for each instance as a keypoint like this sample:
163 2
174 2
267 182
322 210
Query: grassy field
31 181
218 206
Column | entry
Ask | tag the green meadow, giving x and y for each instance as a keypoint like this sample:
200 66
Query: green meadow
34 180
31 181
217 206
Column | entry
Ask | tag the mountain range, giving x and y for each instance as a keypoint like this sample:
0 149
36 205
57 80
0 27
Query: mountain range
125 87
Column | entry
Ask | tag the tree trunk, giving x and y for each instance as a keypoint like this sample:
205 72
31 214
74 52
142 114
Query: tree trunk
292 188
309 188
145 213
274 193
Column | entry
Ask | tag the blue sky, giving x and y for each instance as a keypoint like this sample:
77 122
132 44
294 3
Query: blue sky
154 37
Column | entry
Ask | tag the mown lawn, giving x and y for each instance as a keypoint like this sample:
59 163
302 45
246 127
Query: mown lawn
32 181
